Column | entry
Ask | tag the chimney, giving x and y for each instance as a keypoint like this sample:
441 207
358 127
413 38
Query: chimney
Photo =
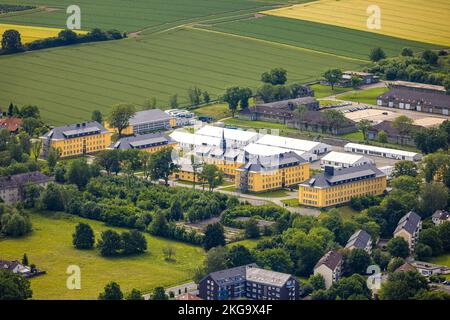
329 170
78 125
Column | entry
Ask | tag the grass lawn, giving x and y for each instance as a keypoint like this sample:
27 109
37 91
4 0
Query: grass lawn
323 91
364 96
230 188
50 248
345 212
291 203
270 194
355 136
216 111
325 103
249 243
442 260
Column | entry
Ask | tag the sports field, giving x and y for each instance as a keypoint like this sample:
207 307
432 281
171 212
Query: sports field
424 21
50 248
29 33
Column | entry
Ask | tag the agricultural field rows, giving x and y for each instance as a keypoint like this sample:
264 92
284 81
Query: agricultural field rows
30 33
68 83
424 21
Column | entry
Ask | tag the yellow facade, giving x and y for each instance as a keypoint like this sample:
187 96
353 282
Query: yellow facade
334 195
82 145
160 147
187 176
276 179
227 167
173 122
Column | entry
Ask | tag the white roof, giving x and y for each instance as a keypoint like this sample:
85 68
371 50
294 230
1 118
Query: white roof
347 158
290 143
230 134
382 150
194 139
264 151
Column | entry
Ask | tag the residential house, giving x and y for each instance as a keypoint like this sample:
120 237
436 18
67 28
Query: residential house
361 239
428 269
15 267
330 267
11 186
409 228
249 282
337 186
440 216
12 124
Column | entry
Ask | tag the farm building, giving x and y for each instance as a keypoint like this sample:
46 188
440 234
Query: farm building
150 142
366 78
393 134
235 138
344 160
417 97
382 152
313 147
145 121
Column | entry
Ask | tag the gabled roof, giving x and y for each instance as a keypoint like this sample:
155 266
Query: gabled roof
441 214
387 126
405 267
267 163
331 259
425 98
12 124
409 222
344 175
75 130
18 180
142 141
8 265
360 239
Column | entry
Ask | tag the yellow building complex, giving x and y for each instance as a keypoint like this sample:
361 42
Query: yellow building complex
337 186
144 122
77 139
150 142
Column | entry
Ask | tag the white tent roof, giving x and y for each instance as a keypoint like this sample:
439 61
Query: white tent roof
347 158
382 150
194 139
230 134
290 143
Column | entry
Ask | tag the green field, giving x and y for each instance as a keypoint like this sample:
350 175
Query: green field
322 91
368 96
315 36
50 248
216 111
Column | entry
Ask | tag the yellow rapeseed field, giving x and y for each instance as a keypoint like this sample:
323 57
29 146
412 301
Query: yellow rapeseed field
420 20
29 33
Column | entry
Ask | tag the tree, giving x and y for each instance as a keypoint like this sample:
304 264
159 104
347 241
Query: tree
214 236
335 118
350 288
175 211
97 116
36 147
276 259
398 247
159 226
356 261
53 157
169 253
432 295
364 125
430 140
405 168
395 263
206 97
404 125
25 259
434 196
232 96
356 82
377 54
159 294
430 237
317 282
423 251
161 165
120 116
78 173
430 57
444 235
277 76
239 255
134 294
112 292
333 76
15 224
68 36
84 237
381 258
51 198
252 229
196 165
109 160
11 41
407 184
29 125
30 194
133 242
245 95
173 102
14 286
194 95
212 175
110 243
407 52
402 285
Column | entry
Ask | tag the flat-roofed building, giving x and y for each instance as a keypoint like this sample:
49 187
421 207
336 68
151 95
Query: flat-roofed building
382 152
344 160
145 122
150 142
337 186
181 117
11 186
313 147
191 141
235 138
77 139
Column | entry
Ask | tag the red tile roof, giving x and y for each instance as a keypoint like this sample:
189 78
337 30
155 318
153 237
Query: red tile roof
12 124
